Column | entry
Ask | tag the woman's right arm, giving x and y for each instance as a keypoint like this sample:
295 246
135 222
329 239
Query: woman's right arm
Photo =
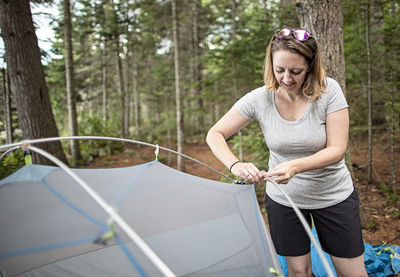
228 125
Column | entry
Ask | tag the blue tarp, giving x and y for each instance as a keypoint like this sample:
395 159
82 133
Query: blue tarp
380 260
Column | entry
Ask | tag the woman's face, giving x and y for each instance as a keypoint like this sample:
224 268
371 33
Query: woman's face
290 70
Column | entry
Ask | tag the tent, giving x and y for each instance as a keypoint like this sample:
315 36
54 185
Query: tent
50 226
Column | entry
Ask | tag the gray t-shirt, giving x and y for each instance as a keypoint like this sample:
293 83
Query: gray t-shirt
288 140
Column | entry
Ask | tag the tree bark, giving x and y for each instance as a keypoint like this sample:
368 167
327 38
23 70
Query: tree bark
234 7
198 121
27 77
135 93
118 64
393 65
324 19
7 107
127 94
121 90
179 108
104 82
70 83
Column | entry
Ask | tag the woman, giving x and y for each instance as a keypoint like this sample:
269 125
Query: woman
305 121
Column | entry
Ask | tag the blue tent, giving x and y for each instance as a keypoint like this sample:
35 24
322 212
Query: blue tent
198 227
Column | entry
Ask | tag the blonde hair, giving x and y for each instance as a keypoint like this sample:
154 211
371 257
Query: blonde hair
314 83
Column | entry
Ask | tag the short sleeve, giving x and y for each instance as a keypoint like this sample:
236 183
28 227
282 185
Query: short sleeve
336 99
246 105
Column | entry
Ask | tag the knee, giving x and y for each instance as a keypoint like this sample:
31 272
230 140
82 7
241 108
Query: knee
302 271
354 273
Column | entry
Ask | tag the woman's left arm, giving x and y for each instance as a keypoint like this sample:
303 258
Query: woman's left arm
337 130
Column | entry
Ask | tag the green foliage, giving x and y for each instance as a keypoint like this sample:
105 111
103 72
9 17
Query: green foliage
93 126
371 226
391 197
11 163
232 37
253 146
256 151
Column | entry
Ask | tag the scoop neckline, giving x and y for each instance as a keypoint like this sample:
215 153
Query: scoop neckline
297 121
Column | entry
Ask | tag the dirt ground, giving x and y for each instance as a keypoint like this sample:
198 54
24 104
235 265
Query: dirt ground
380 210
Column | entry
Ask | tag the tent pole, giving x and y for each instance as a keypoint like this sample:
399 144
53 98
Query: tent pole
162 267
34 141
306 227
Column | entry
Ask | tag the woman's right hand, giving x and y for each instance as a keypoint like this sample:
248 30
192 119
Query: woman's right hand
247 171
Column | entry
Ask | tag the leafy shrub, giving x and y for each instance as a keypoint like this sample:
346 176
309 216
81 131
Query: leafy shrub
93 126
11 163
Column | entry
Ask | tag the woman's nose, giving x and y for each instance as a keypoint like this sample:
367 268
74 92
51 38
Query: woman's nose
287 76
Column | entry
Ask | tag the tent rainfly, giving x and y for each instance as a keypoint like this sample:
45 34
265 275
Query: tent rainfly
50 226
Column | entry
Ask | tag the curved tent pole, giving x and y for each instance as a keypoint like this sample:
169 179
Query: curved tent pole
306 227
156 146
161 266
26 143
8 151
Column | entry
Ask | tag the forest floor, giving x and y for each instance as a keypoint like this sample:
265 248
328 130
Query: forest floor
380 209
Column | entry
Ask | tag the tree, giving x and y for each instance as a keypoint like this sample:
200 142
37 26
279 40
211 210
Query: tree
179 108
369 96
325 20
195 65
7 106
392 44
70 84
27 76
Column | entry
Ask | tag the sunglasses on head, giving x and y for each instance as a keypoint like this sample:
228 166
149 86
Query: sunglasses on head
299 34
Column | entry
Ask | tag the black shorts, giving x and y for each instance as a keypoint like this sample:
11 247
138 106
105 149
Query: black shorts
338 228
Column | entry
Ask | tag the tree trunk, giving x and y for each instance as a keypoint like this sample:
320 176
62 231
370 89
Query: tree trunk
179 108
7 107
169 135
369 96
70 83
135 94
104 82
324 19
121 91
27 77
198 119
393 65
392 132
127 94
377 44
234 7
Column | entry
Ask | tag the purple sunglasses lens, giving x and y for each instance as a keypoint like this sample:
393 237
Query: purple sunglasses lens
301 34
283 33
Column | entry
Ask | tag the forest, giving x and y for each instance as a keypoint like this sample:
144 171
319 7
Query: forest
163 71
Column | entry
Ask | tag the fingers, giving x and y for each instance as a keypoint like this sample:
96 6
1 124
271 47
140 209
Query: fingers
281 174
248 172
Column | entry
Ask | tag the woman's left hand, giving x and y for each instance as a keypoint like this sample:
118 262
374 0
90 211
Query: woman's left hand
282 173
